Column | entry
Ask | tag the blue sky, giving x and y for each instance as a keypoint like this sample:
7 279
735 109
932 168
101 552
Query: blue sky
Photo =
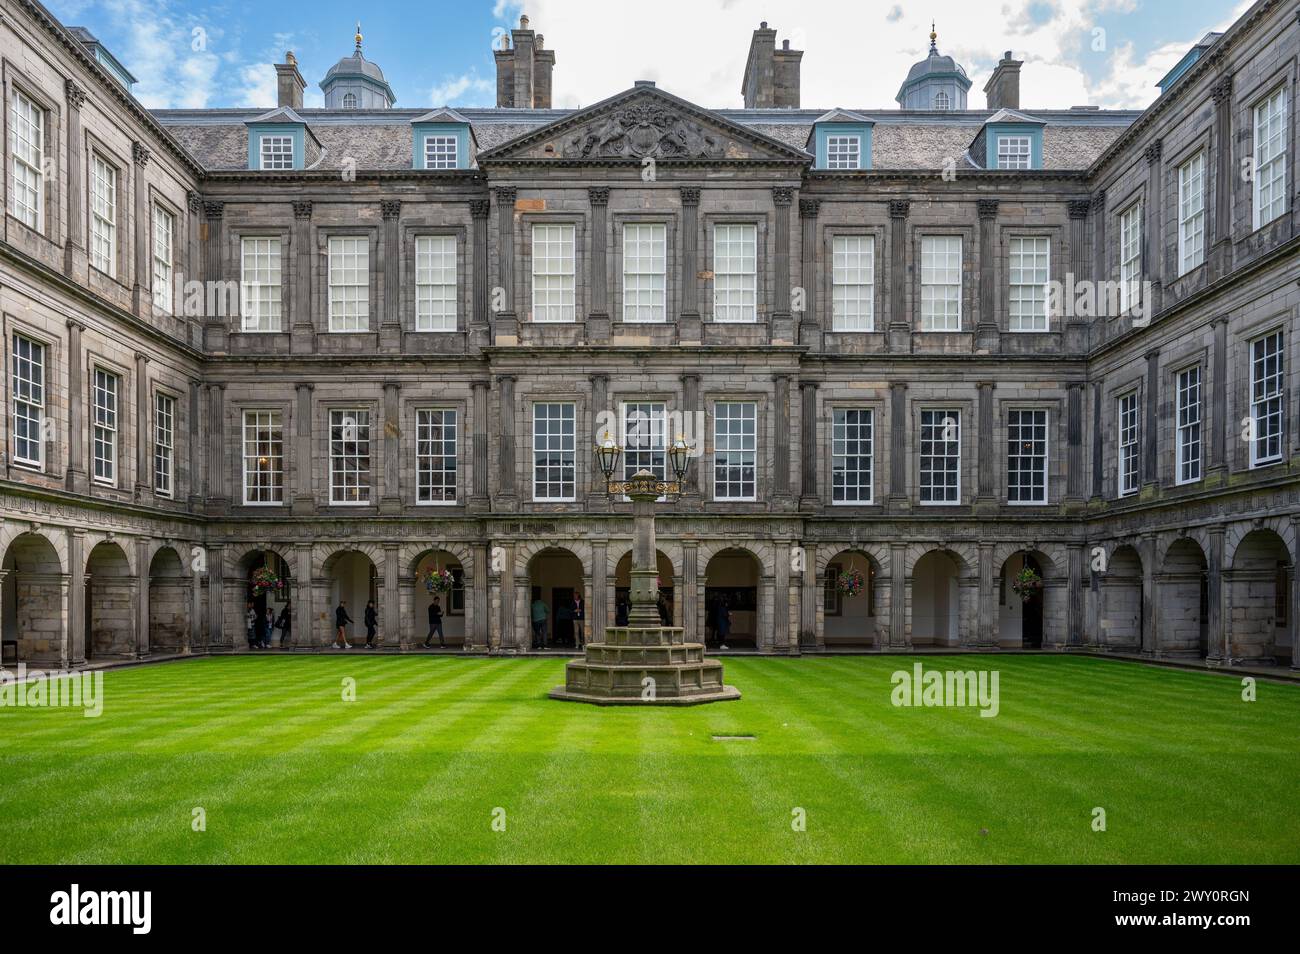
439 53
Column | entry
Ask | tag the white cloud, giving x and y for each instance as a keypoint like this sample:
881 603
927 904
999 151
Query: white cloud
468 89
854 56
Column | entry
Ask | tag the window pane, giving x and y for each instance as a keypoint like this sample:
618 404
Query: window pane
554 297
940 461
260 284
851 455
435 456
1028 292
263 457
554 460
735 454
435 283
853 283
349 281
735 273
645 267
941 283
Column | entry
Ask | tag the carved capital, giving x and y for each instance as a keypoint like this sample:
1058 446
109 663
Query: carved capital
1152 152
76 95
140 153
506 194
479 208
390 208
1099 200
598 195
690 195
899 208
213 210
1079 208
987 208
783 197
1222 90
808 208
302 209
195 201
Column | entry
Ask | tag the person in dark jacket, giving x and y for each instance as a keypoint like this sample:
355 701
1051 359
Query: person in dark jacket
435 624
372 623
579 614
259 628
268 630
341 619
620 613
250 618
723 623
665 614
285 625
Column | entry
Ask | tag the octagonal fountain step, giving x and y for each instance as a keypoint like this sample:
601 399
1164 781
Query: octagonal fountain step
644 666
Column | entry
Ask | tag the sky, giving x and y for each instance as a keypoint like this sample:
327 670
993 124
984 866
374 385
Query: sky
189 54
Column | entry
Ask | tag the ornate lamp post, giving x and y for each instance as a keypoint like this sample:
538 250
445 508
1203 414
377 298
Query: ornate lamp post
645 662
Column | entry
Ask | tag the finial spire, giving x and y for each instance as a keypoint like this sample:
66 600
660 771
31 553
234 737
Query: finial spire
358 36
933 36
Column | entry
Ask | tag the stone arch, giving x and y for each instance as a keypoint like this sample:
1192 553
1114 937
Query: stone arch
942 595
1258 583
1238 532
416 598
58 541
1182 597
169 601
852 621
1121 592
238 593
552 573
324 557
736 573
110 604
124 545
879 552
34 596
1040 620
352 576
669 579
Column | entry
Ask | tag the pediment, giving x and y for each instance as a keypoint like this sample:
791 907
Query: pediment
644 123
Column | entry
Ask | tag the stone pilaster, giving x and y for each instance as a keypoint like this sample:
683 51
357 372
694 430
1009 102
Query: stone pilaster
143 436
390 252
142 290
507 466
74 653
394 627
598 323
1216 646
1098 476
1075 327
1151 423
986 484
478 499
810 329
75 261
75 475
988 336
1074 472
986 636
216 598
1150 607
900 330
898 637
218 462
391 499
1216 467
304 497
142 645
302 332
690 591
506 322
1074 595
480 327
808 498
689 330
1225 175
898 500
194 446
476 636
810 637
214 326
783 498
1153 252
782 331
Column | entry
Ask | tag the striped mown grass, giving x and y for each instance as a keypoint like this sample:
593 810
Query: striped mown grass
413 770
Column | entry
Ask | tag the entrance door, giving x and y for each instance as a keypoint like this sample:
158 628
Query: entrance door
562 615
1031 620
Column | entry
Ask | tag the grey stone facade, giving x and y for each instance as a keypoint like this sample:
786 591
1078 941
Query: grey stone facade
1197 569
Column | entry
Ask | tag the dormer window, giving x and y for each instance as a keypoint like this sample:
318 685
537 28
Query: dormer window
1015 152
349 100
277 152
440 152
941 100
844 152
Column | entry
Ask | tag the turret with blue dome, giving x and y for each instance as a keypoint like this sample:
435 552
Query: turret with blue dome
936 82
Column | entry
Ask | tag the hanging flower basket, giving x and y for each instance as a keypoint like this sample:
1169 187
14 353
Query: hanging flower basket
1026 583
439 580
851 582
265 581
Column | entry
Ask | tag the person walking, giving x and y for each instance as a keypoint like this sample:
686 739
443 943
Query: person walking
372 623
579 614
250 618
285 625
341 619
539 623
269 628
723 623
435 624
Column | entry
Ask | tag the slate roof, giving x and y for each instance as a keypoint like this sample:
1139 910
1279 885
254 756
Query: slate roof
901 139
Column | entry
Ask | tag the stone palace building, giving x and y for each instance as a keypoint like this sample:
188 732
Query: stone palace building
1024 373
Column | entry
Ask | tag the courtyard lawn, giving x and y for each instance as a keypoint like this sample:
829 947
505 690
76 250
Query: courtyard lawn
412 771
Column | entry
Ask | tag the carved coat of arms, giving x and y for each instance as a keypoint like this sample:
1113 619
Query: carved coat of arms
640 130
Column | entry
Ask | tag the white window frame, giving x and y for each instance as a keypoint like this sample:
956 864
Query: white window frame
645 273
437 155
164 444
1015 151
844 151
1270 136
936 454
1267 396
554 273
853 283
1030 269
103 215
350 101
164 236
29 359
644 436
27 166
1188 436
1130 257
435 283
350 470
260 278
1191 213
555 451
106 402
349 283
263 457
848 436
1028 453
272 156
437 469
735 450
941 283
942 101
735 273
1128 429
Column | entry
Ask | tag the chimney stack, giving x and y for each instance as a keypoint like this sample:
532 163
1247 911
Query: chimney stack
524 69
771 75
1003 88
289 83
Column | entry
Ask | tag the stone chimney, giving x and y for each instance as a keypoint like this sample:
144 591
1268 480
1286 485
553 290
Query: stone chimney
524 69
771 75
289 83
1003 88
